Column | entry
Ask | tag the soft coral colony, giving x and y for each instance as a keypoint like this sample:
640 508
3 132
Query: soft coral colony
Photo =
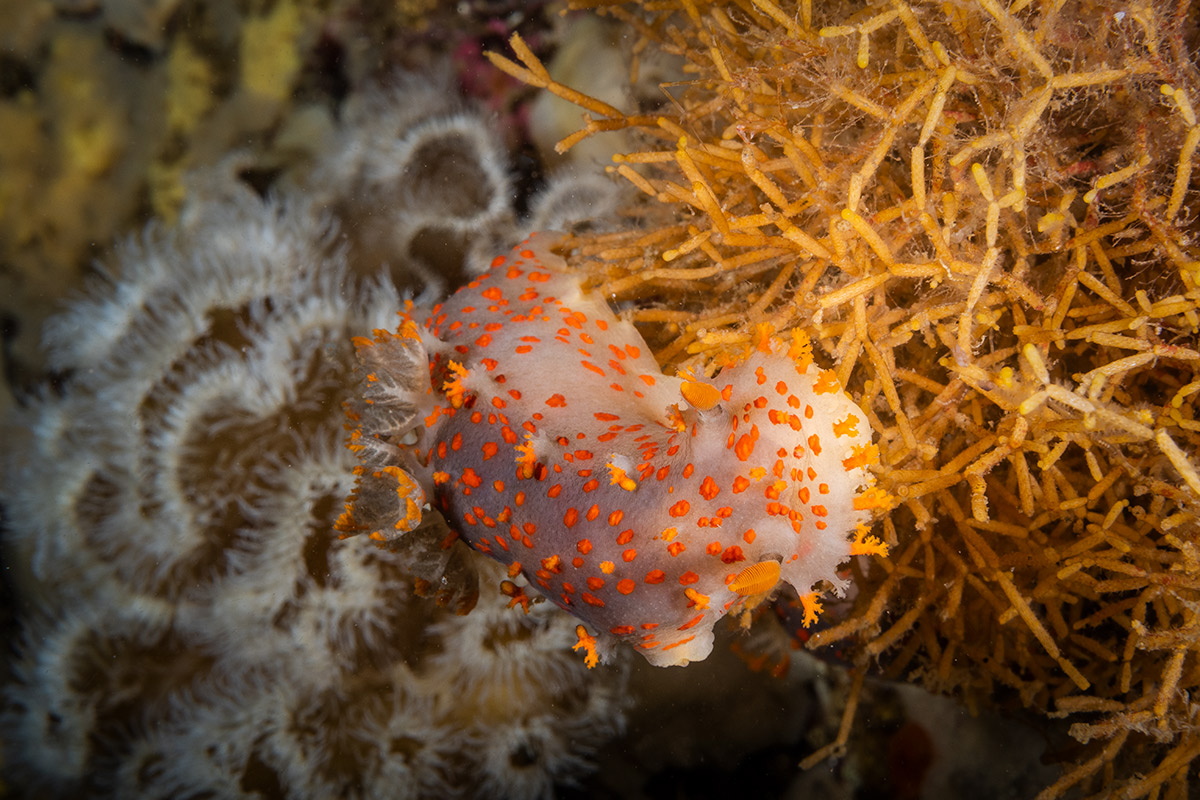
190 623
986 215
648 505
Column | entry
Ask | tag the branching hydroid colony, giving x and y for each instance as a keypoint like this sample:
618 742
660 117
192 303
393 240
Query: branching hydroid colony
986 214
194 626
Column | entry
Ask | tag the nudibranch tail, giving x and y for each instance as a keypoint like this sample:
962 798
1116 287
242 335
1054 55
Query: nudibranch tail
650 506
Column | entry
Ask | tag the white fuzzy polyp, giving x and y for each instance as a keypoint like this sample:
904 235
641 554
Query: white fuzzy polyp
508 661
169 512
526 757
54 706
410 750
203 747
572 198
49 721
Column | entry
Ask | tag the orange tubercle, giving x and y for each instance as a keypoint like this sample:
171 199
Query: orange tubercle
526 459
800 350
619 478
517 595
587 643
812 608
866 545
453 387
762 337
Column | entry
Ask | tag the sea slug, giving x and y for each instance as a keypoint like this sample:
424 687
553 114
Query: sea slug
648 506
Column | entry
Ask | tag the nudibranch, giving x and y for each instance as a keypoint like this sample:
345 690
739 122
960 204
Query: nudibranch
649 506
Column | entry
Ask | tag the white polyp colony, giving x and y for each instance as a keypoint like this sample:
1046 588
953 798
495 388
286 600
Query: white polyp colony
191 623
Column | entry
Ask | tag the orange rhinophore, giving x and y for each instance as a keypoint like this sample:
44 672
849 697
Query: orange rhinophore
756 578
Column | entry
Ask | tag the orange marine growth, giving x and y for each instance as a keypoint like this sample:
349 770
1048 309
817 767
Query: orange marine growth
649 506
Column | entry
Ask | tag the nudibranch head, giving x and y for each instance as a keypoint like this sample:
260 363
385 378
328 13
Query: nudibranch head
647 505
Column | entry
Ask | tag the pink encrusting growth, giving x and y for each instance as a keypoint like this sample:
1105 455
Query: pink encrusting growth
648 506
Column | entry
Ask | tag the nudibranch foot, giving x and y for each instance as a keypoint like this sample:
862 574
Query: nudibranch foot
538 424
